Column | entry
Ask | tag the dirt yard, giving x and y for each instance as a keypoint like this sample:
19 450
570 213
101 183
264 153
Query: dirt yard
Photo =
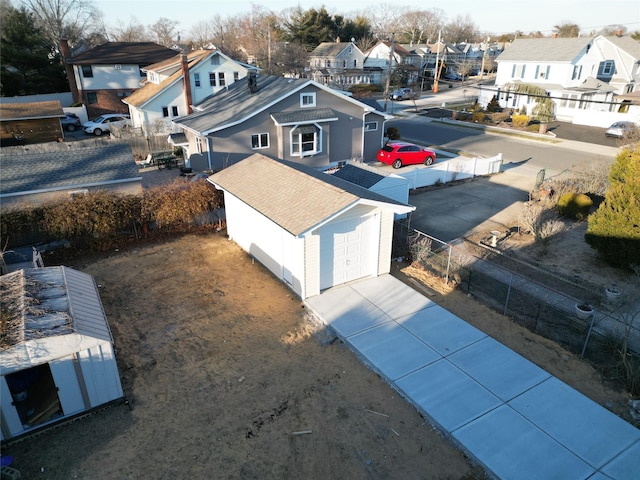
228 376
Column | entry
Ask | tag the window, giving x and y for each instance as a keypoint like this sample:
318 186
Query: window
221 79
355 64
174 111
307 100
518 71
196 79
259 140
577 72
370 126
305 140
165 111
607 67
92 98
212 79
236 76
87 71
344 63
328 65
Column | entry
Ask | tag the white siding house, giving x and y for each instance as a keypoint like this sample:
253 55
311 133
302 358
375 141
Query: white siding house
582 75
310 229
166 96
57 359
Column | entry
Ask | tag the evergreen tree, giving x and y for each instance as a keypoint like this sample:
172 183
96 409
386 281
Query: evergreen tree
29 63
614 229
311 27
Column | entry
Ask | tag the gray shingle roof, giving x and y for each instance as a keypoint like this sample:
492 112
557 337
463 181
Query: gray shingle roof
136 53
544 49
67 169
294 196
330 49
626 43
235 104
31 110
306 115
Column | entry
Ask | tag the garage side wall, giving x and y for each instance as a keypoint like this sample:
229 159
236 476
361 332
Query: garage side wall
271 245
100 373
386 240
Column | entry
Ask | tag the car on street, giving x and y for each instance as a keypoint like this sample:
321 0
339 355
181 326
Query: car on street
401 94
103 123
453 76
622 129
70 122
398 154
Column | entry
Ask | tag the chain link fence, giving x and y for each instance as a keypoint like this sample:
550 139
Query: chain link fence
542 302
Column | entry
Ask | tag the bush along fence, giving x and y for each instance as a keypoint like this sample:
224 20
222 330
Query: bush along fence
96 220
459 168
603 334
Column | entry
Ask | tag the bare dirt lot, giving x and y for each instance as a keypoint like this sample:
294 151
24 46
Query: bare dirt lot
228 376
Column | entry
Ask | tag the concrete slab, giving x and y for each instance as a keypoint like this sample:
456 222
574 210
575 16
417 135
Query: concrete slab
577 422
447 395
625 466
347 312
392 350
513 448
392 296
502 371
441 330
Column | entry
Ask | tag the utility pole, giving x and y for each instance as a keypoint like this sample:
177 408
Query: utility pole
435 80
484 55
386 88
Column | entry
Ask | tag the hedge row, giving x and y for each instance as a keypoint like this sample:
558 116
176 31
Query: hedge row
99 216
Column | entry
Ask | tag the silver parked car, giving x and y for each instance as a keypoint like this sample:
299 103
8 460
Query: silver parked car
401 94
103 123
622 129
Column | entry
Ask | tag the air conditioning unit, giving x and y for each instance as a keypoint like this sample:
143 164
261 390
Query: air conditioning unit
117 66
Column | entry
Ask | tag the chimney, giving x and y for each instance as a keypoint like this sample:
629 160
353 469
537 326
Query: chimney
187 82
618 33
253 82
554 35
65 55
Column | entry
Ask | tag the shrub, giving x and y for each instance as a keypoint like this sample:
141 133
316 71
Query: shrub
494 106
520 121
393 133
613 229
499 117
574 205
478 117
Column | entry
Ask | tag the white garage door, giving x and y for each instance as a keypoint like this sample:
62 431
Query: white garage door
347 250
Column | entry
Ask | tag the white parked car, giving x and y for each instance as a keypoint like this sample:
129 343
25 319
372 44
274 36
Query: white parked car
104 123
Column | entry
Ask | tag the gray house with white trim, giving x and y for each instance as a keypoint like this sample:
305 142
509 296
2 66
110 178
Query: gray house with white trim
312 230
297 120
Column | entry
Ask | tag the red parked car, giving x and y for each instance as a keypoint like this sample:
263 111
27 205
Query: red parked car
399 154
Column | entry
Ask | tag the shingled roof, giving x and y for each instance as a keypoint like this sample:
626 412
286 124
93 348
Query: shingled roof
544 49
296 197
136 53
29 111
67 169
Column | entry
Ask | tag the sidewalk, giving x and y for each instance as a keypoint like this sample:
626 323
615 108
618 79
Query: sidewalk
514 418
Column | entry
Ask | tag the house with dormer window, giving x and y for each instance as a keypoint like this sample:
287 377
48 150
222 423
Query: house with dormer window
108 73
166 95
585 76
297 120
338 65
403 63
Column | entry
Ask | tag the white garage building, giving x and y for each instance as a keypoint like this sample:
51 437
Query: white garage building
311 229
56 356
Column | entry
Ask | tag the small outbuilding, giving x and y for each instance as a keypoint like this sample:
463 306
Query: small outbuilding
311 229
56 351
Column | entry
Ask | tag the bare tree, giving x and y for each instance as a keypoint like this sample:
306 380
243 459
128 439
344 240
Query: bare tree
461 29
384 19
566 29
202 33
420 26
70 19
164 31
133 31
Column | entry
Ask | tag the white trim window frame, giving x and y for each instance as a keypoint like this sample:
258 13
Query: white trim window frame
307 99
305 140
260 141
608 67
370 126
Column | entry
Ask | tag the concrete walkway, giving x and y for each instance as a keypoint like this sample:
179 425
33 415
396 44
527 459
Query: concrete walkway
514 418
